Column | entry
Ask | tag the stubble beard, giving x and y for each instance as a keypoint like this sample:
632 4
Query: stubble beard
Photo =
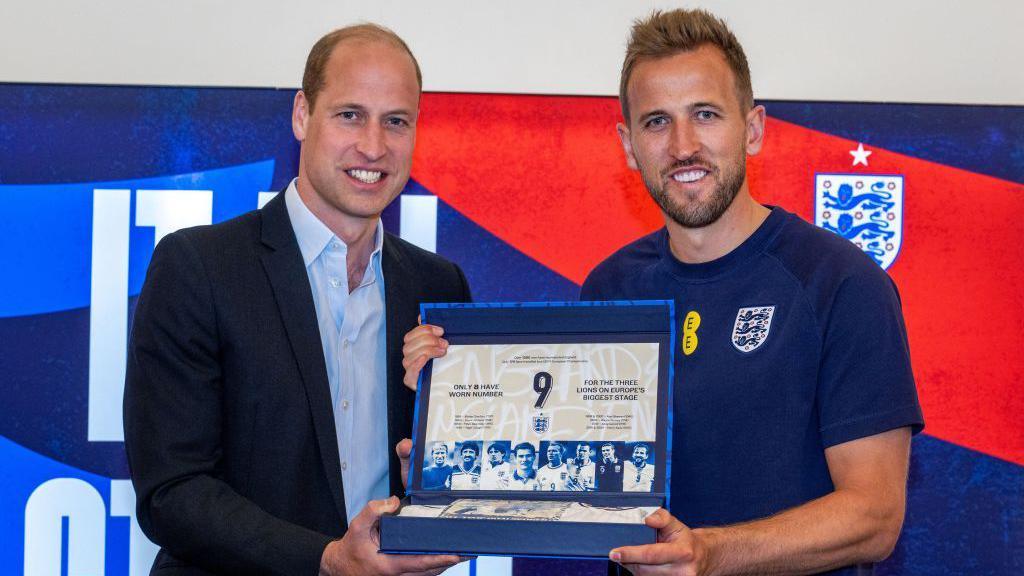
696 214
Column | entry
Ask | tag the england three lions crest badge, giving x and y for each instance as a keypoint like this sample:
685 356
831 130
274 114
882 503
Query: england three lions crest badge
752 327
866 209
541 423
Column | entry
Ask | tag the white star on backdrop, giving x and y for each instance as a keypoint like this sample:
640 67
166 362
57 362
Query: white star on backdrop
860 155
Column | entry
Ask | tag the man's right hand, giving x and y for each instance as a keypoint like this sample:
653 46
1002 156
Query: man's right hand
422 344
357 551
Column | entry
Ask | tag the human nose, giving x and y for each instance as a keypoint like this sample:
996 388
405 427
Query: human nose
685 142
371 142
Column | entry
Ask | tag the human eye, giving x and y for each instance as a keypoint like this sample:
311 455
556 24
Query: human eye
348 115
396 122
706 115
655 122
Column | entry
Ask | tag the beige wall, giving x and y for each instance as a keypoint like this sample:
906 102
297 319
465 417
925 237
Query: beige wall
866 50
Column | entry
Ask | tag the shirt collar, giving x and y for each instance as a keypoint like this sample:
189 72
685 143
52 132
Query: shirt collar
530 475
313 235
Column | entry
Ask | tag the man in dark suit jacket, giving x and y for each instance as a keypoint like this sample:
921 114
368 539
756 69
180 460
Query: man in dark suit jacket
231 400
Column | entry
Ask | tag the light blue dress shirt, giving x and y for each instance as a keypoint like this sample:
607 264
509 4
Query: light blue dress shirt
352 332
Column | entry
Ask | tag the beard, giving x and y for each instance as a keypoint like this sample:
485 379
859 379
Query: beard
695 214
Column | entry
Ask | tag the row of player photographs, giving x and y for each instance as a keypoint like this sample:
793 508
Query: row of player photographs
551 466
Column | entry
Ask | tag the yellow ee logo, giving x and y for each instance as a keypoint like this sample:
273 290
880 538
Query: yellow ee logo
690 325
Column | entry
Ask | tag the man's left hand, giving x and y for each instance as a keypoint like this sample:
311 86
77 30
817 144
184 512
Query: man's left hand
421 344
678 551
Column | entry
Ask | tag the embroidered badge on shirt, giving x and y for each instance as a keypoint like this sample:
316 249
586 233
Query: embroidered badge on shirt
752 326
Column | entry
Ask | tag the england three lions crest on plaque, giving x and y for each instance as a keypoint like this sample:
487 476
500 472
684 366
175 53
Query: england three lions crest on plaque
541 423
866 209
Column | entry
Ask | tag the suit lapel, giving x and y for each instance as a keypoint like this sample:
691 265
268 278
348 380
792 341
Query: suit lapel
284 267
401 305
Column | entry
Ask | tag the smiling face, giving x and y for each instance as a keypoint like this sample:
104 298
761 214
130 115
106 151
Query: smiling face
358 139
524 461
639 455
468 456
688 134
439 454
582 452
554 453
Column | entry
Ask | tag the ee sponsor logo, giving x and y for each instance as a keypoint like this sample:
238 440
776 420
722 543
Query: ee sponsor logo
690 324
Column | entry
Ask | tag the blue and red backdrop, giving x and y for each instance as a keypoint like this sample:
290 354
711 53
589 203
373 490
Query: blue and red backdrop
532 192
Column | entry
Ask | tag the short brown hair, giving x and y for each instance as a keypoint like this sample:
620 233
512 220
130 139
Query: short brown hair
313 78
665 34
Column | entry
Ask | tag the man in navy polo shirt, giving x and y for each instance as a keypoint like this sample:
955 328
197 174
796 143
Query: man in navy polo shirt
794 396
794 400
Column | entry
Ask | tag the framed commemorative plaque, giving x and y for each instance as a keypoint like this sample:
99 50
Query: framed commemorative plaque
544 431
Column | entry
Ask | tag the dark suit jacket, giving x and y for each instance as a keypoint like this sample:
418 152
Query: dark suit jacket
228 420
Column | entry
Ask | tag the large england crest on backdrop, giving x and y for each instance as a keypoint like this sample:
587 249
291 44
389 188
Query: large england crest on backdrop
866 209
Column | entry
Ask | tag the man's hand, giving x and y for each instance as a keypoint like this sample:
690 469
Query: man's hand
357 552
403 449
679 550
422 343
856 523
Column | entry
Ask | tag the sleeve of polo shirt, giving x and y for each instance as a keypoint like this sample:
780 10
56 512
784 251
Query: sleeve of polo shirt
865 384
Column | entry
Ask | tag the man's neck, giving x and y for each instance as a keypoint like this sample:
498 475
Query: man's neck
358 234
698 245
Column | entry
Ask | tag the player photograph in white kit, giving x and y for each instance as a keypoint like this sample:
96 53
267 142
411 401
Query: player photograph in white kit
582 472
639 474
496 470
466 473
554 476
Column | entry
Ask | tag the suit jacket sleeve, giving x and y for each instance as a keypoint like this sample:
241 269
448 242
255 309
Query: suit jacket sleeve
466 296
173 410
